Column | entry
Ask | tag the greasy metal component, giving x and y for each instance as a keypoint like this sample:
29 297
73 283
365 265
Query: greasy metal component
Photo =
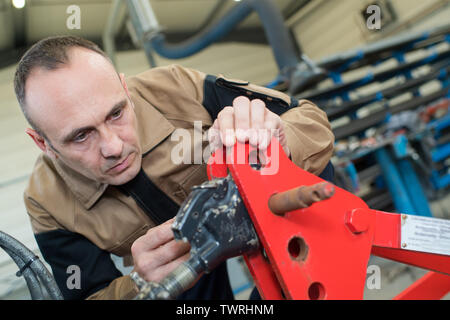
300 198
170 287
214 220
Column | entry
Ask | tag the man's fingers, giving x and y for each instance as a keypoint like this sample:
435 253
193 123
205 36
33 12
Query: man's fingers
264 137
271 129
241 107
214 139
257 113
162 255
163 271
154 238
247 121
150 263
170 221
171 251
226 125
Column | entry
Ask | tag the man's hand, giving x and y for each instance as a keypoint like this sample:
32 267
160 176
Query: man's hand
156 253
247 121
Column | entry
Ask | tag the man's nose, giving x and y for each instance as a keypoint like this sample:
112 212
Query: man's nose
111 145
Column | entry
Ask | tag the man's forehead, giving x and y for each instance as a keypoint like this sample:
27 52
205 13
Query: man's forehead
87 81
91 60
84 68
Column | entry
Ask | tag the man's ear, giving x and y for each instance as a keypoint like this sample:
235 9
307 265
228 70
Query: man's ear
41 143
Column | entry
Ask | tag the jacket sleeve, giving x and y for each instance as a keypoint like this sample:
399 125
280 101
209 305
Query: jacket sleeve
81 269
309 136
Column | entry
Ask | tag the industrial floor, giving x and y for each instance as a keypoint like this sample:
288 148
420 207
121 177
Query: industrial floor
243 61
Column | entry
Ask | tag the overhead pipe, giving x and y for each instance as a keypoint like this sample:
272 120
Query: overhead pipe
292 68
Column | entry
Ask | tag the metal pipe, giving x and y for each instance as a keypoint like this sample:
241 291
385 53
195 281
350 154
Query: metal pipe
145 25
108 34
394 182
271 18
300 198
414 188
178 281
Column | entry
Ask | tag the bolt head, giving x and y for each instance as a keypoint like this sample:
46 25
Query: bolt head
357 220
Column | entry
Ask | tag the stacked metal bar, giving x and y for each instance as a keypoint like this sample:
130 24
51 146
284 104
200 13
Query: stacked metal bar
389 107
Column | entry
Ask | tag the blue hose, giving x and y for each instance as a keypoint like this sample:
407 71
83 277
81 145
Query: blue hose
271 18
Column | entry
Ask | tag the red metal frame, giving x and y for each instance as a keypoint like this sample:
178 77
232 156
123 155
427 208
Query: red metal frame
431 286
320 252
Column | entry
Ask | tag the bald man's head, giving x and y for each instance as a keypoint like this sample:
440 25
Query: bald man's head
48 54
80 109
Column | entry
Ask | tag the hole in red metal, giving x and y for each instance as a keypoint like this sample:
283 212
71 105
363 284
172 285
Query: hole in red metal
297 248
316 291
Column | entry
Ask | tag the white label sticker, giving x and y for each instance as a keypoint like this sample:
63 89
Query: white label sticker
425 234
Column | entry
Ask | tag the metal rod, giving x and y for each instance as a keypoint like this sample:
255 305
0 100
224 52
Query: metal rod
109 32
414 188
394 182
300 198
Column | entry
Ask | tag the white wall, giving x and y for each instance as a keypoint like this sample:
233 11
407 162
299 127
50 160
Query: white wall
48 17
45 18
6 27
322 28
326 27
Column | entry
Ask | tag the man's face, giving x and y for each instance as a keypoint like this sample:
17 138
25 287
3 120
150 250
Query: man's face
85 112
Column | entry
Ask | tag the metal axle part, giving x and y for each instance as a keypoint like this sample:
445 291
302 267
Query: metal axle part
300 197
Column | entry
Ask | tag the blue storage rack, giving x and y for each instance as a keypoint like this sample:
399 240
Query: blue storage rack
407 186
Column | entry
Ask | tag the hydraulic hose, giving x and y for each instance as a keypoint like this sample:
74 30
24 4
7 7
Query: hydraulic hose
271 18
30 277
34 271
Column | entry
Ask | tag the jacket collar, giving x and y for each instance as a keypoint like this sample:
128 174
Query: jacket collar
152 128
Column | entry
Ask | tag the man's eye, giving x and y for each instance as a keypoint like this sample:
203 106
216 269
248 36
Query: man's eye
116 114
81 137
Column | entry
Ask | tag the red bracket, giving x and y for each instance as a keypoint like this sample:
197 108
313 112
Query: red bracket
319 252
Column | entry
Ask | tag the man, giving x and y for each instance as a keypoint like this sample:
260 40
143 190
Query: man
105 181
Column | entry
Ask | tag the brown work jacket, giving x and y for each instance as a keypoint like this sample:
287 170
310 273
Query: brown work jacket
64 206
